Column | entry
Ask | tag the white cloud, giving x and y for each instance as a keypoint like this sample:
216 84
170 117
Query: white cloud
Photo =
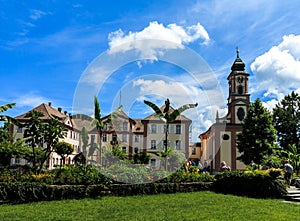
278 70
171 36
37 14
30 100
179 94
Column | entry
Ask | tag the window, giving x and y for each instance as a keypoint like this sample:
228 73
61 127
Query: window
114 137
124 149
163 143
178 129
136 138
178 144
153 162
17 161
124 137
19 129
153 129
104 137
125 126
153 144
193 150
92 138
164 128
136 150
240 89
241 113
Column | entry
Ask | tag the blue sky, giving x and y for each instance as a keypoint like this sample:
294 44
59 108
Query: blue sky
57 51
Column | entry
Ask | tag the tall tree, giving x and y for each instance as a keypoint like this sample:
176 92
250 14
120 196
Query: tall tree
85 141
168 117
286 117
34 134
39 132
53 131
258 136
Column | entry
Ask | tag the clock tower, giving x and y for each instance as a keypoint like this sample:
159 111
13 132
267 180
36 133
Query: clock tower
238 98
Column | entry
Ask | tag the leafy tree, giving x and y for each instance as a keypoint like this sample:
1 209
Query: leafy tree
286 117
258 135
141 158
4 132
101 124
9 150
39 132
292 154
64 150
34 134
53 131
168 117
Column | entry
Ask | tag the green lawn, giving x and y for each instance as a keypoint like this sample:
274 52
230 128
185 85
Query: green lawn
179 207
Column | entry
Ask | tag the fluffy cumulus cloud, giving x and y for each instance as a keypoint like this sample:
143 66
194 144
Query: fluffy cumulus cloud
278 70
171 36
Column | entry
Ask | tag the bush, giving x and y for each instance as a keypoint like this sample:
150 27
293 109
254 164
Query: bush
24 192
182 177
79 175
249 184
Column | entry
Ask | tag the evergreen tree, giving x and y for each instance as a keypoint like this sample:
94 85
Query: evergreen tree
258 135
286 117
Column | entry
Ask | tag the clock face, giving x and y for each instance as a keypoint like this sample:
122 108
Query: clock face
241 113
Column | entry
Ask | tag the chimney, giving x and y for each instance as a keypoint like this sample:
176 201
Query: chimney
49 104
59 109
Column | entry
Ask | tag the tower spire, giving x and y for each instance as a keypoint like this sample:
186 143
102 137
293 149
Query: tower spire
237 52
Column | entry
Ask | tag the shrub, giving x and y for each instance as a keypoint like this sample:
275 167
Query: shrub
79 175
182 177
251 184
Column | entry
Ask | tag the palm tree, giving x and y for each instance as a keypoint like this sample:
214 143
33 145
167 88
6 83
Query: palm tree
101 124
6 107
168 117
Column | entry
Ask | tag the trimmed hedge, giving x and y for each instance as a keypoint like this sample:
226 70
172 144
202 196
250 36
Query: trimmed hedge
24 192
19 192
249 184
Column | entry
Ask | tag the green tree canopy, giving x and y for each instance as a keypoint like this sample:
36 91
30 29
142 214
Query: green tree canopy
63 149
286 117
258 136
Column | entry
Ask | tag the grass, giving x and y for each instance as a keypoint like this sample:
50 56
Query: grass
179 207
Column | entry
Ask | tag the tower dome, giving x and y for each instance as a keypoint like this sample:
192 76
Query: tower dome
238 64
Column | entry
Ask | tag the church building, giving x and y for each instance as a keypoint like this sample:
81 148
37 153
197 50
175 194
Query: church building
218 143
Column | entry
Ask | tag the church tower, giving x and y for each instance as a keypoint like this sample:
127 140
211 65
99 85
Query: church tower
238 98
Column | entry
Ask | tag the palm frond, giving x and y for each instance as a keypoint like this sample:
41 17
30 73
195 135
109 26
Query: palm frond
156 109
114 114
5 107
181 109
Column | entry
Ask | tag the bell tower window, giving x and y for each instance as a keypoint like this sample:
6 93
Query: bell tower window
240 89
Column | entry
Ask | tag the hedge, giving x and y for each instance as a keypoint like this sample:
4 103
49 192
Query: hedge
249 184
20 192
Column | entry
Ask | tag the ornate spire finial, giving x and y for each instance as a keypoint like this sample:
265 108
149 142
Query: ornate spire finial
237 52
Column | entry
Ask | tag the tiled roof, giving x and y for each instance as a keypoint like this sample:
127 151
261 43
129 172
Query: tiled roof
48 111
